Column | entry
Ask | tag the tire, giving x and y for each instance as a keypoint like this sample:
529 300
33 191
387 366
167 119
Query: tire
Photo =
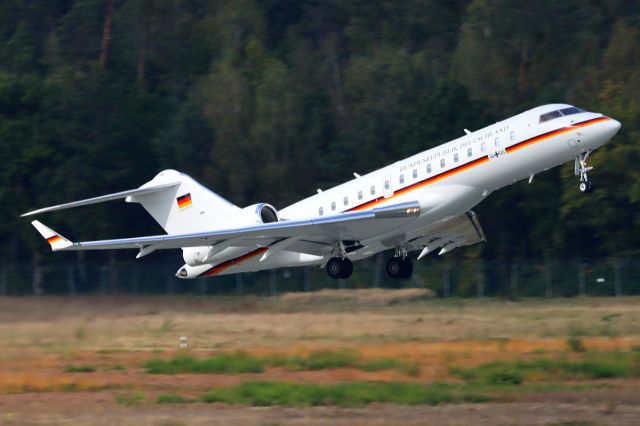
407 268
395 267
334 268
583 187
346 268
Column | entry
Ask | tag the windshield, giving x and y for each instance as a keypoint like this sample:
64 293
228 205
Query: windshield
560 113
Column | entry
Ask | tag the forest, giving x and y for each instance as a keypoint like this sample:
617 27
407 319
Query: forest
267 100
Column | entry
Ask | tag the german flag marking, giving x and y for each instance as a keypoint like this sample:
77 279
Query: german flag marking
54 239
232 262
184 201
476 162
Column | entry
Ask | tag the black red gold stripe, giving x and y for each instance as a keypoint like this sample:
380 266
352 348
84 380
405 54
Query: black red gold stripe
553 133
475 162
231 262
54 239
184 200
422 183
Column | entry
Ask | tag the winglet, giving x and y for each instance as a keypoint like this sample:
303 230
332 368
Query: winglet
57 241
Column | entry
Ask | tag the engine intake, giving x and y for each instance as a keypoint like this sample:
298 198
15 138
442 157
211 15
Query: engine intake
267 213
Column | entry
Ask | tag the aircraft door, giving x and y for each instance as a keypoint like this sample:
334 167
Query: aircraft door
386 187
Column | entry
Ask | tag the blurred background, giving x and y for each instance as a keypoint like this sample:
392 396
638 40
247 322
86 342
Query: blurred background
267 100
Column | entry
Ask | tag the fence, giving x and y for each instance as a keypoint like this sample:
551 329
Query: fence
446 277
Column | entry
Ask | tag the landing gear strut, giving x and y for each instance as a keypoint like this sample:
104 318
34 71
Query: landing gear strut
581 169
400 266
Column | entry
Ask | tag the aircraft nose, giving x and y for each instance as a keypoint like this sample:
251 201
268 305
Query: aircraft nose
612 127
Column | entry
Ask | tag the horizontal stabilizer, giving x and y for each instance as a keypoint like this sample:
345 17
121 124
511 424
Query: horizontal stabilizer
57 241
103 198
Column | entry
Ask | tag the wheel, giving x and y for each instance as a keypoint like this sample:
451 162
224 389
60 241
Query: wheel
399 268
586 186
346 268
339 268
407 268
394 267
334 267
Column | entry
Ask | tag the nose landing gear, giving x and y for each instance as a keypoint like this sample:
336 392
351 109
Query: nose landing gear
581 169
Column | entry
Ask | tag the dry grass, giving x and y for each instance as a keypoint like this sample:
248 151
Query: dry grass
362 297
157 323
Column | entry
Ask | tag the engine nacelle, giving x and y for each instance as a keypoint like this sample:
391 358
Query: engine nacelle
249 216
257 213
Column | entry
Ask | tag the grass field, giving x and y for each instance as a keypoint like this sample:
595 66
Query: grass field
377 357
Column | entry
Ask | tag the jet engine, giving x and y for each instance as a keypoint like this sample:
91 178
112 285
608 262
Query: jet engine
248 216
256 214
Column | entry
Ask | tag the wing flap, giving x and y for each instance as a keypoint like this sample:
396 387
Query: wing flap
462 230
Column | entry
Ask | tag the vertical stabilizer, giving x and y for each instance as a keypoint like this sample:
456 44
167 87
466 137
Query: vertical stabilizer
187 207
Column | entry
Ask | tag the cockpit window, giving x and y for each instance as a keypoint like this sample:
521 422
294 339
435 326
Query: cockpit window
571 111
550 116
559 113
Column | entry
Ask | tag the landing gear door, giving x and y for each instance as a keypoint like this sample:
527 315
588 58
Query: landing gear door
386 187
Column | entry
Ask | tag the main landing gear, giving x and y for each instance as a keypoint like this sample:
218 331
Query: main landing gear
400 266
339 266
581 169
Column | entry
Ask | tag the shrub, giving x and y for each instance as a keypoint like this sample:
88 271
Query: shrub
129 399
79 369
171 399
507 377
575 344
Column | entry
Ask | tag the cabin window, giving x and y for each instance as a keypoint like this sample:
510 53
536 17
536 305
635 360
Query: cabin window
415 173
429 168
333 205
483 147
386 184
497 142
512 135
455 157
442 163
320 211
345 200
373 190
402 178
469 152
359 195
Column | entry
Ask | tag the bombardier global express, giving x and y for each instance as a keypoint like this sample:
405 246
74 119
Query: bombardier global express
420 203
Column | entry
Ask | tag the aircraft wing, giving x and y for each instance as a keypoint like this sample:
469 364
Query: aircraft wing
346 226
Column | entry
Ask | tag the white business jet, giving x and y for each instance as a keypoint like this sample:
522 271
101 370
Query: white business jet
420 203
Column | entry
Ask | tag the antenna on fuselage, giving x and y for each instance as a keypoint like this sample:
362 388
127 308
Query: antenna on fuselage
467 131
